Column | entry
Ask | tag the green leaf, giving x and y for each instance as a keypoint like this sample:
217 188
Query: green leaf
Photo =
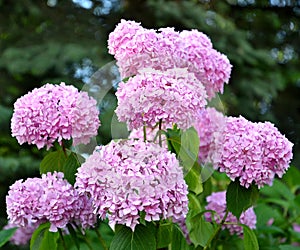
199 230
71 165
250 240
142 238
178 240
193 179
239 198
53 161
43 239
194 204
288 247
185 144
5 235
73 236
164 235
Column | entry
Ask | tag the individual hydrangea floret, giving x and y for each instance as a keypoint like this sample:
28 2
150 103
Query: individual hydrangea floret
217 202
49 198
252 152
54 113
174 96
165 49
209 122
130 180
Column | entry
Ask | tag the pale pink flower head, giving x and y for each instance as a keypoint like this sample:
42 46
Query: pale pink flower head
54 113
22 235
174 96
49 198
208 124
131 178
217 203
252 152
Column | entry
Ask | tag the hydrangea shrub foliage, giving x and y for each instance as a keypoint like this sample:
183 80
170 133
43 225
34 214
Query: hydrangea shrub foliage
187 177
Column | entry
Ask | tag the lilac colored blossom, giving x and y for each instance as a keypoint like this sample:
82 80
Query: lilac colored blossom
174 96
53 113
126 178
252 152
209 122
22 235
217 202
165 49
49 198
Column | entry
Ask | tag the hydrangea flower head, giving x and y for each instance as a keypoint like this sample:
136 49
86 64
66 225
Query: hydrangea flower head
209 122
165 49
174 96
128 177
217 202
49 198
53 113
252 152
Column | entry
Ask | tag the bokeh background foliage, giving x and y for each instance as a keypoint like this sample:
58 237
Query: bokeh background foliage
54 41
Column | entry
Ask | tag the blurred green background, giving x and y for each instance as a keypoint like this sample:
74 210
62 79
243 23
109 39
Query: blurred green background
53 41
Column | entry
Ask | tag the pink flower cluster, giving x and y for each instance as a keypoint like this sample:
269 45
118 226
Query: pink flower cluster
54 112
208 123
131 180
252 152
174 96
135 48
49 198
23 234
217 202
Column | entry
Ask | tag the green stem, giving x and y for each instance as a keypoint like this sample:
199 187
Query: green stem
215 234
102 241
159 131
145 133
62 239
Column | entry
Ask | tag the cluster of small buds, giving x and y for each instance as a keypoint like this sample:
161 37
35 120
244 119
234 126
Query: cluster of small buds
55 113
126 178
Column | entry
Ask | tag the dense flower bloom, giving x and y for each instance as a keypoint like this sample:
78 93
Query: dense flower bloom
217 202
128 177
209 122
49 198
252 152
174 96
164 49
53 113
23 234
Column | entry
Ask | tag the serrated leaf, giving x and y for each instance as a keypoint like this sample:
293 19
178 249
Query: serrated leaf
250 240
239 198
199 230
164 235
53 161
193 179
5 235
142 238
43 239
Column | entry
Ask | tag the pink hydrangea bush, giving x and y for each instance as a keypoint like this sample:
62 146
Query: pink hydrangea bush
128 177
54 113
173 96
135 48
217 202
49 198
252 152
